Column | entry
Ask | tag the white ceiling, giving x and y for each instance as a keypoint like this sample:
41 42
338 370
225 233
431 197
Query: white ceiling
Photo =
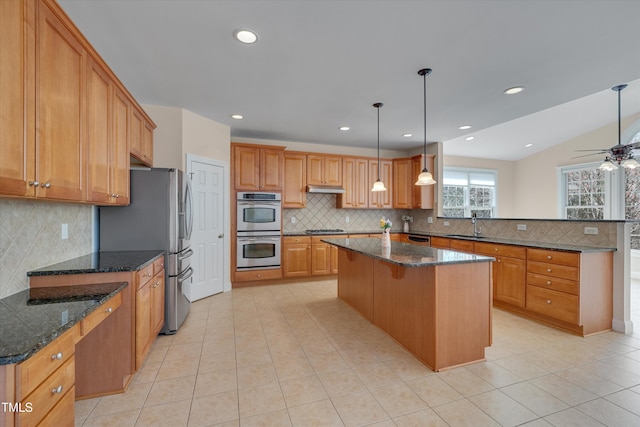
321 64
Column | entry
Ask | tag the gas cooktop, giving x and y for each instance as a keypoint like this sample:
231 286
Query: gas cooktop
325 231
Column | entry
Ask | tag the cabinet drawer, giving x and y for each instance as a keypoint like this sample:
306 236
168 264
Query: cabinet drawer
554 283
158 265
63 414
144 275
554 270
31 372
48 394
462 245
493 249
559 305
99 314
440 242
296 239
570 259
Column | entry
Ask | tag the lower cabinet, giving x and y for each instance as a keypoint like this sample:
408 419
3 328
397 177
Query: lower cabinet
309 256
509 271
149 309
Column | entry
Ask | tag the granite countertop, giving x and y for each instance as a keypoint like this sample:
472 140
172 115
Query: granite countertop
33 318
406 254
100 262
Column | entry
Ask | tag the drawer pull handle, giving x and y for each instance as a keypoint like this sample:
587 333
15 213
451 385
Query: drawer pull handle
548 282
57 356
57 390
548 256
548 301
109 310
548 270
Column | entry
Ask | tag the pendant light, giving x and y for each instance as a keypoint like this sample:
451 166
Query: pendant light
425 178
378 185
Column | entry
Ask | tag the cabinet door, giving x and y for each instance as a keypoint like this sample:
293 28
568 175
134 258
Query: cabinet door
333 170
246 168
157 308
143 322
320 259
315 170
510 280
296 259
98 119
271 165
354 180
381 199
334 259
17 83
120 147
402 190
137 123
60 94
295 181
423 195
147 143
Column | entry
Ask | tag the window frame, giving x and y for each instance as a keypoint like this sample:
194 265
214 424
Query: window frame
467 207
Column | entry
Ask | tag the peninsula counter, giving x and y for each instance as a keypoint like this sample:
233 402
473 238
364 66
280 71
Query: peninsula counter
436 303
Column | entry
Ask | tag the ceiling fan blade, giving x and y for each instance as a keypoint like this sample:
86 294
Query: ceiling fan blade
635 145
586 155
601 150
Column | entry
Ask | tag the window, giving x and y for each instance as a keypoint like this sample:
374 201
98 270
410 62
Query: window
469 191
585 195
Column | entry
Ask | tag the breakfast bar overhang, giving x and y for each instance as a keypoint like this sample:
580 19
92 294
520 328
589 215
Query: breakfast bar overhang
436 303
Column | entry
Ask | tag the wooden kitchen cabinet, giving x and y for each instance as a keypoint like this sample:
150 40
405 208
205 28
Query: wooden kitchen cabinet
355 179
257 168
294 194
141 147
509 272
440 242
402 183
149 308
324 257
324 170
296 256
423 195
381 199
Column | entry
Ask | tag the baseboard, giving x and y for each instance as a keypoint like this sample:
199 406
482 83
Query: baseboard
622 326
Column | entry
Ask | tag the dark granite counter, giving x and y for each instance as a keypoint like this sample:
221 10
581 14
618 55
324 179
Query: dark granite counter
31 319
406 254
100 262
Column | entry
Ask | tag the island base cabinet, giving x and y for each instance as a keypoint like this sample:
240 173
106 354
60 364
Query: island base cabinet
355 279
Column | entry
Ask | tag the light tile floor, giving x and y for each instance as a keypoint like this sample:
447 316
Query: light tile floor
295 355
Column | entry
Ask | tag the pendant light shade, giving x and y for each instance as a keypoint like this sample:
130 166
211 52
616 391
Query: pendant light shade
378 185
608 165
425 177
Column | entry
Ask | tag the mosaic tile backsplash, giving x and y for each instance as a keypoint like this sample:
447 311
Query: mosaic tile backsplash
30 238
321 212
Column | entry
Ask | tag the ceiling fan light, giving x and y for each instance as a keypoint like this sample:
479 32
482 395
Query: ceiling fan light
630 163
608 165
425 178
379 186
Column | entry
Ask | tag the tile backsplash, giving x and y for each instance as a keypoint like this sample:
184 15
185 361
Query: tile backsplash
30 238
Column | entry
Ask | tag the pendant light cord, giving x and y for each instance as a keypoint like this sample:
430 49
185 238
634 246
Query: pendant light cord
424 79
378 108
619 135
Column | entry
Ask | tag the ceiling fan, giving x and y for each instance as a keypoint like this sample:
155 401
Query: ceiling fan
622 154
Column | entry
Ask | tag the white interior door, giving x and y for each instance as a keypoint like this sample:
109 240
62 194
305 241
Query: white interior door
207 238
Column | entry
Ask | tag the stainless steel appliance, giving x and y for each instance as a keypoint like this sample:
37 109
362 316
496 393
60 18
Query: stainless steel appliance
160 216
259 212
259 231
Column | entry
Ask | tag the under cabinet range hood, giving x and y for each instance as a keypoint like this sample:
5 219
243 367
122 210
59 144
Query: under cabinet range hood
325 189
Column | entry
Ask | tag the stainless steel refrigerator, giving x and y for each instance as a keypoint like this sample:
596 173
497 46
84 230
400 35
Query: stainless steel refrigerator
160 216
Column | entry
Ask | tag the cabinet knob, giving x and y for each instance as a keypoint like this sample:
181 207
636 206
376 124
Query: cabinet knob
548 256
57 390
34 183
109 310
548 282
45 185
548 270
495 249
258 275
57 356
548 301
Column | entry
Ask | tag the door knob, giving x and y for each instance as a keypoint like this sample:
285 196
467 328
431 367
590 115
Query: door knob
220 236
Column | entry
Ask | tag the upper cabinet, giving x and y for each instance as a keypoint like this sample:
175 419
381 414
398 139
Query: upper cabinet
423 195
61 132
294 193
257 168
355 179
324 170
402 183
141 139
381 199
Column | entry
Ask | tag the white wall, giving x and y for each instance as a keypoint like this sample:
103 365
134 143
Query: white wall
167 137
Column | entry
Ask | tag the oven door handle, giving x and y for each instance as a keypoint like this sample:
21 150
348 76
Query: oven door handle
185 275
242 203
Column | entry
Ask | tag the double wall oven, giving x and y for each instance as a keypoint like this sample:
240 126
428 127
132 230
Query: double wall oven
259 230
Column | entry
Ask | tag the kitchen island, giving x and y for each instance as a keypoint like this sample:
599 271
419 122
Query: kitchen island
436 303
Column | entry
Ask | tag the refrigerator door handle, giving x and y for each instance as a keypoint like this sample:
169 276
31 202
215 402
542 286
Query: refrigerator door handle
186 254
185 275
188 209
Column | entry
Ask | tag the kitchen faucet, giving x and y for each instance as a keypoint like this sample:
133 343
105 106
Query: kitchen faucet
474 221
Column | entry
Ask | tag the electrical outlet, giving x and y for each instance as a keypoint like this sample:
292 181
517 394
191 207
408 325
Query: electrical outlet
522 227
591 230
429 220
346 219
446 223
65 231
293 220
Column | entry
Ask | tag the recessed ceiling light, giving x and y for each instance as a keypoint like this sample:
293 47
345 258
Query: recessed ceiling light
464 127
245 36
528 145
469 138
237 116
407 135
513 90
344 128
